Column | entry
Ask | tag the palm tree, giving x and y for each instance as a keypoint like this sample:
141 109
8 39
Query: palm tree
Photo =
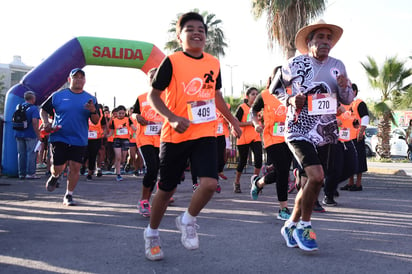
389 81
215 43
285 18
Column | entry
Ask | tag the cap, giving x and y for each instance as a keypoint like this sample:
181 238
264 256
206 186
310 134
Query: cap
76 70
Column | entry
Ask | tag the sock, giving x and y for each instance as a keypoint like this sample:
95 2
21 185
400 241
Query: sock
69 193
55 176
187 218
289 223
304 224
150 232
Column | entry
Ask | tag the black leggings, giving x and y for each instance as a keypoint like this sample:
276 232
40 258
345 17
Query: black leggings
221 150
151 157
93 147
243 154
280 156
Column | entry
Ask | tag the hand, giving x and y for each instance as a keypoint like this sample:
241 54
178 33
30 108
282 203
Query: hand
342 81
235 130
141 120
90 106
180 124
298 101
258 128
47 127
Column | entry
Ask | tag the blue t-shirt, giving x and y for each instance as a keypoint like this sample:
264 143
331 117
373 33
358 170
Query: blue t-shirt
69 113
31 112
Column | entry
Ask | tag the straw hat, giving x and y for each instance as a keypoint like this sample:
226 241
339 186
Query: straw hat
302 35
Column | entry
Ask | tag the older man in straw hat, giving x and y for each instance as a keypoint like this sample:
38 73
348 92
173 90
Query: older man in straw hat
319 83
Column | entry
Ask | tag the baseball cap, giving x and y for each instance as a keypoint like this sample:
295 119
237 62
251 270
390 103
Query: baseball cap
76 70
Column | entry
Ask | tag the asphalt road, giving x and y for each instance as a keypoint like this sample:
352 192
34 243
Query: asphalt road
368 232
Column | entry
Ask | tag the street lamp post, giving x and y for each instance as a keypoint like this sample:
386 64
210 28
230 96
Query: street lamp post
231 79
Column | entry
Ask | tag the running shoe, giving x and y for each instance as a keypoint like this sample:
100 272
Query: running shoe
353 188
305 237
218 188
329 201
171 200
119 178
89 177
68 200
99 173
346 187
144 208
284 214
51 183
32 177
236 188
287 233
222 176
153 250
189 237
195 186
317 207
254 189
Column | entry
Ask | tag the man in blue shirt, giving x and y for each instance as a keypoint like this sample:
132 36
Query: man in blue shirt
71 109
27 138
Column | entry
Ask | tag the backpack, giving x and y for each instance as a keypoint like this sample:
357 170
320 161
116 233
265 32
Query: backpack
19 119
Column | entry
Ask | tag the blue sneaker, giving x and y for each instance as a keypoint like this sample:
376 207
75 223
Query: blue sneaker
284 214
287 234
305 237
119 178
254 190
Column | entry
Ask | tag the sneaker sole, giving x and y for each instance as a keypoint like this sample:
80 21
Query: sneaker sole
286 238
301 245
281 218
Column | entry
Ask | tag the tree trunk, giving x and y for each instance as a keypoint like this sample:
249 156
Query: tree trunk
383 149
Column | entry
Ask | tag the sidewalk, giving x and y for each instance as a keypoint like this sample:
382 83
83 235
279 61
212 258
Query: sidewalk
368 232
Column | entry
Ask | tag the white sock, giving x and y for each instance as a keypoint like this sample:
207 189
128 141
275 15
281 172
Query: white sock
289 223
69 193
150 232
304 224
187 218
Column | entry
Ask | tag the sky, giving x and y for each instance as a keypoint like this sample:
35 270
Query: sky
34 30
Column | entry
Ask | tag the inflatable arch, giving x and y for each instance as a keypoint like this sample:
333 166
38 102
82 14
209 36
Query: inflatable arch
52 73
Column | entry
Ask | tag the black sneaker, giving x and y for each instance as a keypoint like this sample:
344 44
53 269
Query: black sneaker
355 188
99 173
68 200
51 183
89 177
329 201
317 207
346 187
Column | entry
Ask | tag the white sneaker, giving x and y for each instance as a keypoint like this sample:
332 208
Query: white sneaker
68 200
153 250
189 235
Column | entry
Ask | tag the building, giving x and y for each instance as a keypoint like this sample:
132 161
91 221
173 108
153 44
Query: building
11 74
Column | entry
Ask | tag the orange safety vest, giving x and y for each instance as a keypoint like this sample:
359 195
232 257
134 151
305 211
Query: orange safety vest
347 131
249 133
191 94
96 131
274 116
150 133
132 133
354 106
121 128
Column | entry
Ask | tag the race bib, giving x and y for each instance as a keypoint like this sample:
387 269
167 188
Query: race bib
219 128
92 134
122 131
278 129
153 129
344 134
201 111
322 103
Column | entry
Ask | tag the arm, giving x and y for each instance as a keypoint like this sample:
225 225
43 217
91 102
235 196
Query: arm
94 114
180 124
257 106
35 124
224 110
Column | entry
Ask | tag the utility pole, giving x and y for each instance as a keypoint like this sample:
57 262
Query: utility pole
231 79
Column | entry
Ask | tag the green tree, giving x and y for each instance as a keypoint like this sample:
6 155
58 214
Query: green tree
215 42
285 18
389 80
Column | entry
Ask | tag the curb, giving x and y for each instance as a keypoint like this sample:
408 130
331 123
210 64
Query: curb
399 172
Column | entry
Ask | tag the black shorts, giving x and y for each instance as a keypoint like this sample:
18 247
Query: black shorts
305 153
62 152
121 143
173 160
